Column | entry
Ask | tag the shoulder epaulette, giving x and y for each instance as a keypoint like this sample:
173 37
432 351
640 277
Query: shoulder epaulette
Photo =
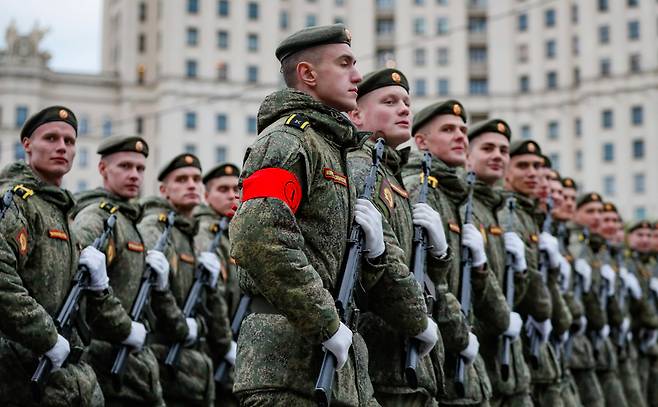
214 227
162 217
108 207
22 191
431 181
298 121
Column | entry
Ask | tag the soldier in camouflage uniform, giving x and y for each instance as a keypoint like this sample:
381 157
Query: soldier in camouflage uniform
122 169
39 257
521 182
290 235
488 157
221 197
192 383
384 109
441 129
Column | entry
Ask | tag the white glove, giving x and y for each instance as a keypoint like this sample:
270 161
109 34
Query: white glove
192 331
339 345
137 336
94 259
544 328
232 353
515 246
370 220
633 286
428 337
549 244
472 238
582 325
653 285
564 337
160 265
210 262
472 349
514 327
59 352
609 275
625 327
565 274
648 340
585 272
430 220
605 331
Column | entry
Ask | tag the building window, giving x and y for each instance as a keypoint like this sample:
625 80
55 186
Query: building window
252 74
222 122
222 39
632 3
639 183
252 10
191 68
522 52
222 71
220 155
442 56
555 160
339 2
640 213
19 151
638 149
339 20
634 63
107 128
609 185
141 11
603 5
139 125
578 127
141 43
193 6
311 20
251 125
82 186
190 148
384 56
551 80
526 132
575 45
223 8
633 30
604 67
442 26
608 152
419 2
524 84
607 119
419 26
385 4
283 20
419 56
478 86
550 49
192 36
637 115
477 55
385 26
443 87
579 160
477 25
523 22
21 116
553 130
574 13
549 17
83 158
190 120
604 34
83 126
252 42
420 87
576 76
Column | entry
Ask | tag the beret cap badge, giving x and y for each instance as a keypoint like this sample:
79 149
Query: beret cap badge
531 147
139 146
501 127
348 34
396 77
456 109
63 114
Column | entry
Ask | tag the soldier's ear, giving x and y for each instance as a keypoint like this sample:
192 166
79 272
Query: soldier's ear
356 116
421 143
306 74
26 144
163 190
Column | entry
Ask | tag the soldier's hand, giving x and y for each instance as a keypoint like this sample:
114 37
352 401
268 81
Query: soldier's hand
211 262
514 245
648 339
160 265
605 331
625 327
582 325
137 336
472 238
633 285
430 220
544 328
192 331
59 352
366 215
339 345
653 284
549 244
470 353
514 328
428 337
232 353
585 272
565 274
94 259
610 277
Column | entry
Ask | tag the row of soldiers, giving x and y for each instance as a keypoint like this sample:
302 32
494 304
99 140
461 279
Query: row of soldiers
551 283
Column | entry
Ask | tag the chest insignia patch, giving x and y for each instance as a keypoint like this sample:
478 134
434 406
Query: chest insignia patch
400 191
534 238
332 175
21 239
111 251
495 230
135 247
187 258
454 227
386 194
57 234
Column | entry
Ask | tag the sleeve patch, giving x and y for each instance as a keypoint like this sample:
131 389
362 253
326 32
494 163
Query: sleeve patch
495 230
332 175
57 234
21 239
386 195
534 238
273 183
454 227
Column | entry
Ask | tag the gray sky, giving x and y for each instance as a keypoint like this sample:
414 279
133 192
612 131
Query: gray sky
75 29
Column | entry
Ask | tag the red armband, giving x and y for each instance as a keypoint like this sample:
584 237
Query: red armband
273 183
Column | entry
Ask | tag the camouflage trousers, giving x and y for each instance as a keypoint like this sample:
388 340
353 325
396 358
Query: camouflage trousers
569 390
286 399
589 388
613 391
515 400
630 380
192 384
648 370
405 400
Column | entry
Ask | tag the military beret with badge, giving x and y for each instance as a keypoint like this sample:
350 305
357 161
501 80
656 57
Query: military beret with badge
520 147
568 182
490 126
609 207
48 115
449 107
312 37
222 170
382 78
642 224
588 198
180 161
118 144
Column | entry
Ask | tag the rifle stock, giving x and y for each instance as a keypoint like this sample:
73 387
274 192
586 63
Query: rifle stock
221 373
509 292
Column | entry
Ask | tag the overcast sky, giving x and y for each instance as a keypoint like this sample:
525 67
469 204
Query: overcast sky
75 29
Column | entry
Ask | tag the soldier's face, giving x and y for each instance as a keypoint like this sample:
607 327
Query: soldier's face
590 215
654 239
522 174
182 188
543 184
445 138
387 111
558 197
488 156
569 203
222 193
336 77
51 150
609 225
640 240
123 173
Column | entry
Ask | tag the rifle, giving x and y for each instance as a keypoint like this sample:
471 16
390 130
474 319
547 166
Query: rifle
577 290
221 373
465 284
195 295
68 314
7 199
597 340
420 246
509 292
346 310
535 340
142 298
623 291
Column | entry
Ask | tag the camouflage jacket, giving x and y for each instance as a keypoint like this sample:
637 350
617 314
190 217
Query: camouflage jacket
293 260
644 310
446 195
386 347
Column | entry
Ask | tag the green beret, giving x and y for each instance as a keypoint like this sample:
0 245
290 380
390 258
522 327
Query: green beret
221 170
569 183
609 207
547 161
312 37
123 143
587 198
642 224
520 147
452 107
555 176
180 161
381 78
47 115
490 126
